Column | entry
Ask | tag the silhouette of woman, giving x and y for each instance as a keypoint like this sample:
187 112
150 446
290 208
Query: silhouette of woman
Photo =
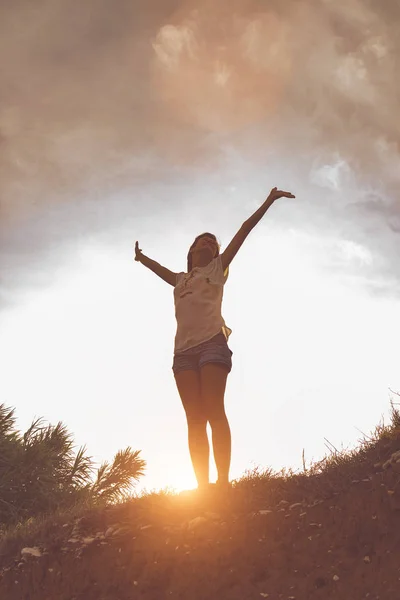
202 359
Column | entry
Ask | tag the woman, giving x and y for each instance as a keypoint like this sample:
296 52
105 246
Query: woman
202 358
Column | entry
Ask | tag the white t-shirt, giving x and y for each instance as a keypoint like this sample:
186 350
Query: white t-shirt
198 300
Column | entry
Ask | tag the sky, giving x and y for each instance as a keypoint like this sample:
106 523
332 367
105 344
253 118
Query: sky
159 121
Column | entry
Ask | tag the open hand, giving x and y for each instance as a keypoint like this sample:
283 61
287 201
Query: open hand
275 194
138 251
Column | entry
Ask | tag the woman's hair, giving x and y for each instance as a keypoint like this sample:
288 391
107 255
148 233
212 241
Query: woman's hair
189 256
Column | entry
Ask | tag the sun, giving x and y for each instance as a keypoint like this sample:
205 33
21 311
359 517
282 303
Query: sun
175 484
180 483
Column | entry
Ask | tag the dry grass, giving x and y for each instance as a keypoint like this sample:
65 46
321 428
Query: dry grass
352 481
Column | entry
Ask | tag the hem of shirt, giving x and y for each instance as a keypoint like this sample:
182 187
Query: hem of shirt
198 343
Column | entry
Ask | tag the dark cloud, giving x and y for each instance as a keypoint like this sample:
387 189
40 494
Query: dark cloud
100 103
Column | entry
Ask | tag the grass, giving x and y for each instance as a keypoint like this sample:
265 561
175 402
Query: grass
331 480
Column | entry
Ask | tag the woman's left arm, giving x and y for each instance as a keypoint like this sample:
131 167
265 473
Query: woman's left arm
231 250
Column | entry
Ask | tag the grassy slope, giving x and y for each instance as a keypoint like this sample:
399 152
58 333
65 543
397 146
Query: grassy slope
332 531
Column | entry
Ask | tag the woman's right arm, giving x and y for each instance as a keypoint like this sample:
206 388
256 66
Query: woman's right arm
154 266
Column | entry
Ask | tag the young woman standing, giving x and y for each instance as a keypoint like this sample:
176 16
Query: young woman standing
202 359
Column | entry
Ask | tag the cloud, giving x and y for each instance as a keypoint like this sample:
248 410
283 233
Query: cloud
103 107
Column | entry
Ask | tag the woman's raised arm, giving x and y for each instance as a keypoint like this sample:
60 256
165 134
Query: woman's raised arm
231 250
163 272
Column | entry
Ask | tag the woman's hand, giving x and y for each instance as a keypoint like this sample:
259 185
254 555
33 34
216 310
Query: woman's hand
275 194
138 252
260 212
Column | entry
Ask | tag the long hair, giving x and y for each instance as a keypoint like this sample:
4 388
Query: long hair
189 256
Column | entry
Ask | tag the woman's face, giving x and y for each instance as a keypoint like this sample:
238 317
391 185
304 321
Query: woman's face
205 244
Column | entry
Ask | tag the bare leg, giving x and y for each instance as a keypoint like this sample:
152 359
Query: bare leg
213 383
199 449
188 384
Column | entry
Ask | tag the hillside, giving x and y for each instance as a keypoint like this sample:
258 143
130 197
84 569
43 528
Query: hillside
332 531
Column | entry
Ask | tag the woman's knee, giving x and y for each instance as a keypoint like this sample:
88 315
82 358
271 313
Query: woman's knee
196 418
216 414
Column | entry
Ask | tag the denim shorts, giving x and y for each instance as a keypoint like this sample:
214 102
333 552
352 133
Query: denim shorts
215 350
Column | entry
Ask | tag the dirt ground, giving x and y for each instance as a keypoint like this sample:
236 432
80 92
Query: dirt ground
306 537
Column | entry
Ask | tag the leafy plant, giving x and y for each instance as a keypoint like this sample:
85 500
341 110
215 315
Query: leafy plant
40 471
